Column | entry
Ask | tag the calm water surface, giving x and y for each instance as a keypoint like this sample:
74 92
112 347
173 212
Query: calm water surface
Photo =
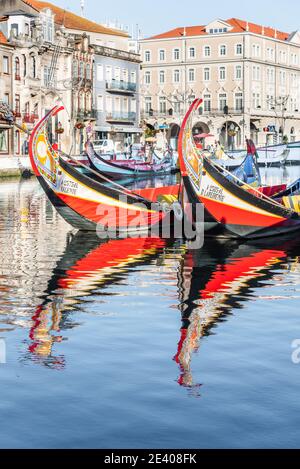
142 343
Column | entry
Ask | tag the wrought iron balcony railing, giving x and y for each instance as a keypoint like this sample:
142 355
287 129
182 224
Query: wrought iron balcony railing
121 117
120 85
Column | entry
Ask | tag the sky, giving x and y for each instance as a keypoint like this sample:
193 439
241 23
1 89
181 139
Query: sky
156 16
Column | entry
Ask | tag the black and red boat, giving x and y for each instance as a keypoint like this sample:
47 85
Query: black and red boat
232 208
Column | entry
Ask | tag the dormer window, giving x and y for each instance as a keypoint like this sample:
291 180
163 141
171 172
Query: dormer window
218 30
14 29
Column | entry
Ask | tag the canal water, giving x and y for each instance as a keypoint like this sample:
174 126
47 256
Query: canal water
139 343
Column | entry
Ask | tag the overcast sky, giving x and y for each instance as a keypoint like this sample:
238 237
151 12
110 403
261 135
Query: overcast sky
155 16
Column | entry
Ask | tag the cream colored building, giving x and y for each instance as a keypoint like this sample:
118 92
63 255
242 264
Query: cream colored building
248 76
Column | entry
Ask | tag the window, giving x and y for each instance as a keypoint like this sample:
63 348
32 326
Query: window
270 53
282 77
191 75
17 105
256 50
270 75
100 73
5 64
5 98
14 29
17 69
108 73
256 102
222 73
162 55
117 73
239 101
133 77
207 102
222 50
148 104
125 74
147 78
239 49
26 29
176 54
3 140
147 56
192 52
24 65
161 76
162 105
47 25
270 102
222 101
99 103
256 73
88 72
46 75
206 74
207 51
81 70
33 66
176 76
238 72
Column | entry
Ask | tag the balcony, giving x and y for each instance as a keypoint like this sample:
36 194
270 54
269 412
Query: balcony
124 117
120 86
29 118
86 115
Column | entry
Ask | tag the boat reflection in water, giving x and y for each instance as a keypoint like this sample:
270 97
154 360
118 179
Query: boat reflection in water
86 265
218 278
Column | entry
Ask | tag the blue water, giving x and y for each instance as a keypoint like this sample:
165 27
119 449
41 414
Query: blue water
138 344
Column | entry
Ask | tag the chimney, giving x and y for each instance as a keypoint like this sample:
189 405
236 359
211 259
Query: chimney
263 30
247 26
275 35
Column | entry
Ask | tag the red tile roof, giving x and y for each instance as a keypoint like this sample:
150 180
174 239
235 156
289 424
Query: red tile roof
238 26
72 21
3 39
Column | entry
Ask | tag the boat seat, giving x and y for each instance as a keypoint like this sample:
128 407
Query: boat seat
292 202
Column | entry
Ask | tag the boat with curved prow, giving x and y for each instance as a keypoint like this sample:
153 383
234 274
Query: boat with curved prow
90 205
126 168
232 208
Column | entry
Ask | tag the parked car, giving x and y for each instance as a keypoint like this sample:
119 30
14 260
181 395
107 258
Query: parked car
104 146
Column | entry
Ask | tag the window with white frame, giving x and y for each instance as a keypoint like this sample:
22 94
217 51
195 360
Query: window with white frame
282 77
162 55
161 76
256 50
192 52
108 73
222 50
270 53
99 72
256 75
256 100
238 72
222 101
222 73
147 56
206 74
148 104
207 102
176 54
270 102
239 49
176 76
270 75
99 103
147 78
191 75
239 102
133 77
162 105
207 51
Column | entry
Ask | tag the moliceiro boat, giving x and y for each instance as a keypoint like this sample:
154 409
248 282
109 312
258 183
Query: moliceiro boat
91 205
232 208
127 168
